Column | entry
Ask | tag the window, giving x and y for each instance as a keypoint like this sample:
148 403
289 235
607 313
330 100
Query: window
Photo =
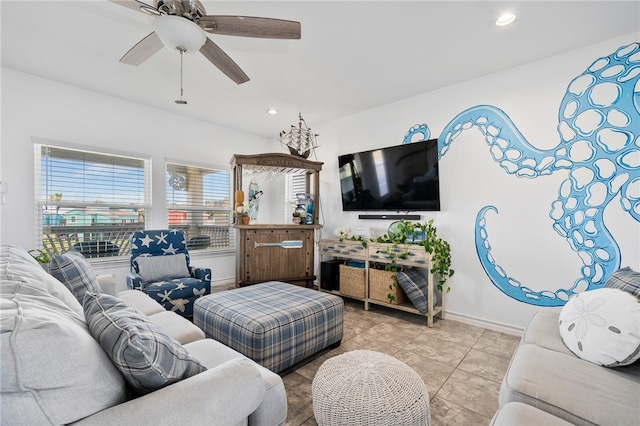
198 202
294 184
89 201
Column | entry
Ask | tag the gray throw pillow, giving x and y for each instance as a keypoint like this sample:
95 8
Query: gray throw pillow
75 272
625 279
162 268
143 352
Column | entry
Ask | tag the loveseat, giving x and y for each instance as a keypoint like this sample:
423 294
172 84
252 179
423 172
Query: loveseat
547 383
54 369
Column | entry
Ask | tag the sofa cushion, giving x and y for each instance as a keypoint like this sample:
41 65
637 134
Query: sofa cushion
543 330
141 301
52 369
147 357
75 272
222 396
17 264
162 268
415 286
16 255
273 409
517 413
625 279
602 326
575 390
177 327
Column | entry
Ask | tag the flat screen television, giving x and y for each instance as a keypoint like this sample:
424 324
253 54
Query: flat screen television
396 178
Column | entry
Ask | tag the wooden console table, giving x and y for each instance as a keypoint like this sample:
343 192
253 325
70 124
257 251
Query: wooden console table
413 255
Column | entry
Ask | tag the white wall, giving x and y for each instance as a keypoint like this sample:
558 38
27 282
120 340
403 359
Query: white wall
35 107
521 234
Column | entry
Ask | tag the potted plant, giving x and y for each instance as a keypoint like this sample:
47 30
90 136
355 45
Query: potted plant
42 257
423 234
342 233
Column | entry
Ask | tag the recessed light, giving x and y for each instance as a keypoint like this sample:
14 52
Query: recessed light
505 19
272 111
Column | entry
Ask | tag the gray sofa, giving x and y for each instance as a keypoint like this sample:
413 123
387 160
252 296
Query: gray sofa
547 384
53 371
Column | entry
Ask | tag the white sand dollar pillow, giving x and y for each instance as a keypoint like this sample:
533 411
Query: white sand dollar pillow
602 326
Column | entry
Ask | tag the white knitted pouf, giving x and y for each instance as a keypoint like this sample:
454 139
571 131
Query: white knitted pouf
369 388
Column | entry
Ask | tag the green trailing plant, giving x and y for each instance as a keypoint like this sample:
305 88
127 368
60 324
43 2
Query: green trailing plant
359 238
393 267
393 253
439 249
40 255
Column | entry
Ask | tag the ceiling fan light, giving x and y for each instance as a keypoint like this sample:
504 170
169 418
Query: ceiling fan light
175 31
505 19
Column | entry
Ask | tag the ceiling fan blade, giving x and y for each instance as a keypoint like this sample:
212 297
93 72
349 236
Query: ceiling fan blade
137 5
249 26
143 50
213 53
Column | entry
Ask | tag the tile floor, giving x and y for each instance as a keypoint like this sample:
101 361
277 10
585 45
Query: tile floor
462 365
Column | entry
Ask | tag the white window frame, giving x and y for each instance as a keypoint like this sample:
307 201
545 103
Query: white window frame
206 227
294 183
116 232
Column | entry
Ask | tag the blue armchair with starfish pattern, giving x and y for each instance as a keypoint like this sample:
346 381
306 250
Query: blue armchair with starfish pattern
160 267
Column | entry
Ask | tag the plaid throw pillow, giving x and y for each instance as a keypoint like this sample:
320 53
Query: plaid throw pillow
145 355
415 286
75 272
625 279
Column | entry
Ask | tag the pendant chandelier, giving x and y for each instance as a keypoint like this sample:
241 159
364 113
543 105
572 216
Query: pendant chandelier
300 140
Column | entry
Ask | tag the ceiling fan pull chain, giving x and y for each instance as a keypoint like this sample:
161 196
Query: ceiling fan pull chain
181 102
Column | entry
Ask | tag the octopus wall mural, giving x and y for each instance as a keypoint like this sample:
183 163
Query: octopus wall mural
599 129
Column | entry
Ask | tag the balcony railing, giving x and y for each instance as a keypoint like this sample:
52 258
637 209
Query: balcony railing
113 240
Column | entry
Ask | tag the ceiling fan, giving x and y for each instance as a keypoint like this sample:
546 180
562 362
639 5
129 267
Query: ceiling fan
182 25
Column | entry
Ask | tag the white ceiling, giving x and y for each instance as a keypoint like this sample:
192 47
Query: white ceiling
353 55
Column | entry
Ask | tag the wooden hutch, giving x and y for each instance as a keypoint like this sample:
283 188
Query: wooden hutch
259 256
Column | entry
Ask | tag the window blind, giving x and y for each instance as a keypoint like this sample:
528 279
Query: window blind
89 201
198 202
294 184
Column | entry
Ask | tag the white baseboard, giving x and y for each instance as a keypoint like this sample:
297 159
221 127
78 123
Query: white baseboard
490 325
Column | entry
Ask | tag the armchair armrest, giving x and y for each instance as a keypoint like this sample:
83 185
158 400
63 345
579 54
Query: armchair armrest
224 395
134 281
203 274
107 283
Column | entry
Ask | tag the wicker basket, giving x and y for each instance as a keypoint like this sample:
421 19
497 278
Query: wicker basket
352 281
379 282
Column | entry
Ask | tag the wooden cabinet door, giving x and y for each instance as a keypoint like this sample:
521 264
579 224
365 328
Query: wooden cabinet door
266 257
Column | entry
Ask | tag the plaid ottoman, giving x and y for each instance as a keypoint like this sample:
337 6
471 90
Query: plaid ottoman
276 324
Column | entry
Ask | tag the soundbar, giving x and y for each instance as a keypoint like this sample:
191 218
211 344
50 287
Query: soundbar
390 216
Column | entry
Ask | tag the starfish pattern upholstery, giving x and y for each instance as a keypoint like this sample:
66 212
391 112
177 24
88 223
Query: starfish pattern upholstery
174 290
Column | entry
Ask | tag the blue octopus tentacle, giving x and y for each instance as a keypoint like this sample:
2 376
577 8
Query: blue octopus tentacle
507 145
508 285
599 128
579 219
